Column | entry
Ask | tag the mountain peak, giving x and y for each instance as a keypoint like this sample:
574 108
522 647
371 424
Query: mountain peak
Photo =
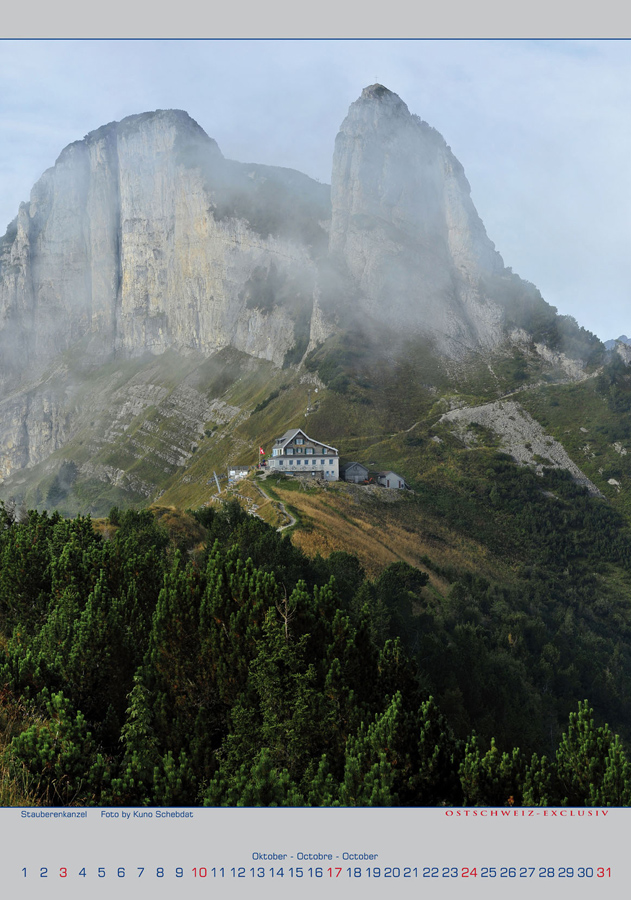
378 93
176 118
405 228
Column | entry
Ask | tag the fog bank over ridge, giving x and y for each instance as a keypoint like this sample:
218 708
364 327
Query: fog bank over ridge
143 238
143 235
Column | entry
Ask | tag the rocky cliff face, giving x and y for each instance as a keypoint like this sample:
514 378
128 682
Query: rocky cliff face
135 238
404 226
143 238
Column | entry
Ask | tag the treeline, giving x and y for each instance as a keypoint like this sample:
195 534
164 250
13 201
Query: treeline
240 672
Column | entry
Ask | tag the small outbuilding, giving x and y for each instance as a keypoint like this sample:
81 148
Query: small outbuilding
354 472
236 473
391 480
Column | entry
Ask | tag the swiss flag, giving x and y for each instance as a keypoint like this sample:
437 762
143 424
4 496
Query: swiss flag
261 451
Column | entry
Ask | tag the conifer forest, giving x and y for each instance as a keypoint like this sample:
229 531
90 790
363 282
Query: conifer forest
218 665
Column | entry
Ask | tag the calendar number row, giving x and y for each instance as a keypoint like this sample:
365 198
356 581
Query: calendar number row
120 872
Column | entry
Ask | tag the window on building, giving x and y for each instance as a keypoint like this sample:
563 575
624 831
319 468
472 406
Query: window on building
289 451
291 462
322 462
300 440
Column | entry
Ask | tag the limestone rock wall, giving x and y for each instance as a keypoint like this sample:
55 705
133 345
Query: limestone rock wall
32 426
143 238
404 225
121 241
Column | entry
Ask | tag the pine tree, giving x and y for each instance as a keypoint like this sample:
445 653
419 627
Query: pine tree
59 758
373 761
493 778
257 783
435 780
591 767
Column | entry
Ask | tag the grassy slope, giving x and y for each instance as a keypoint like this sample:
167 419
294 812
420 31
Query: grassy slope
384 415
378 526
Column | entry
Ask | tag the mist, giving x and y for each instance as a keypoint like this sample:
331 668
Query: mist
536 124
146 238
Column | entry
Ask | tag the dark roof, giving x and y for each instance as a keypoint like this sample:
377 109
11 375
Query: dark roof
291 434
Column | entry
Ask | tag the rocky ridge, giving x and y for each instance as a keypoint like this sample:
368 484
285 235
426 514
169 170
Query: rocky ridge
405 227
143 240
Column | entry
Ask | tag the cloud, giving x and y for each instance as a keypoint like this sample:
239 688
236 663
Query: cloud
541 127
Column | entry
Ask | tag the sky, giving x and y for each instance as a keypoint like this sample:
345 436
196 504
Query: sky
542 128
